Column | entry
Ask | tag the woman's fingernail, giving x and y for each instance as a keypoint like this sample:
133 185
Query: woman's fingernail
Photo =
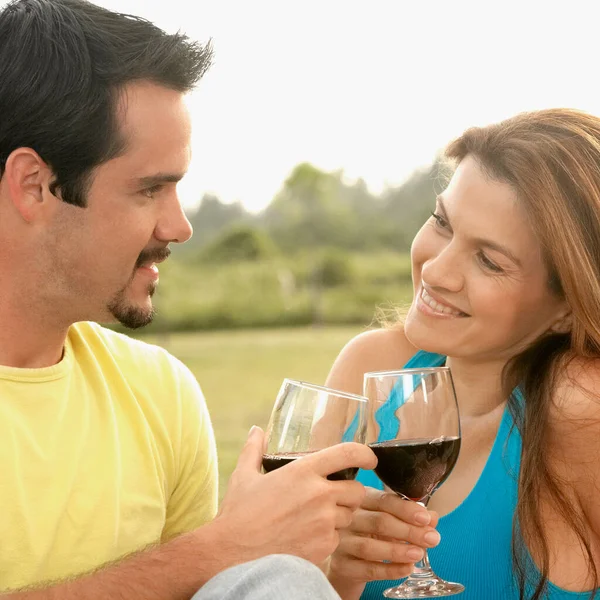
415 554
422 518
432 538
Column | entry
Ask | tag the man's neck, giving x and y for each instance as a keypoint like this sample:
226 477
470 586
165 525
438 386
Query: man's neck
28 340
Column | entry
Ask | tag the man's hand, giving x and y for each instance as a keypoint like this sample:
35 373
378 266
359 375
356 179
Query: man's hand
294 509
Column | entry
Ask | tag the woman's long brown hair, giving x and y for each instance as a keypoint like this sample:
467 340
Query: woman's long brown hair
551 158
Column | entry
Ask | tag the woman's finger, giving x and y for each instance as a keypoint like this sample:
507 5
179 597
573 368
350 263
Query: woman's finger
386 526
373 549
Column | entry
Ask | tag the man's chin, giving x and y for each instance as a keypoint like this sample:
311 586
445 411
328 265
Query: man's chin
136 320
130 314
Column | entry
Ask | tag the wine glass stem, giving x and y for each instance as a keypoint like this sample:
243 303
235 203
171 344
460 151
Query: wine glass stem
423 568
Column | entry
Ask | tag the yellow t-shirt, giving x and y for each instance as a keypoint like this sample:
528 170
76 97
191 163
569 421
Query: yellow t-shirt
102 454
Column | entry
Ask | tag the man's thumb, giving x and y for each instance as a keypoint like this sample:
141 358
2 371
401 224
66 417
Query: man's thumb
253 450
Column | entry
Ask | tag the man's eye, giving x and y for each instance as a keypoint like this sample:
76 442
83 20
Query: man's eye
149 192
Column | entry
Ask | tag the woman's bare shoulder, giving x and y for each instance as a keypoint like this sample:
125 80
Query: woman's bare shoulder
577 390
374 350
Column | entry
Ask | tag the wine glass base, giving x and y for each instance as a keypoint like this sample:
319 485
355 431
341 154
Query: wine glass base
430 587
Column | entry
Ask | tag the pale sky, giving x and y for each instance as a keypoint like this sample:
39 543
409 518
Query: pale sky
373 87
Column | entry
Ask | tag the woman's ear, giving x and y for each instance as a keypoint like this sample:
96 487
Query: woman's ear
563 323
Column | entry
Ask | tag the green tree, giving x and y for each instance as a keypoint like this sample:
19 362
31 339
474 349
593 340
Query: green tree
309 211
240 243
213 217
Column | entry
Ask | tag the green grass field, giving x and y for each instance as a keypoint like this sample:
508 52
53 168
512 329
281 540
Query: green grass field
240 373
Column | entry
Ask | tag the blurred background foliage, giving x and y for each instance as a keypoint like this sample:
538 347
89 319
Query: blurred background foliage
324 251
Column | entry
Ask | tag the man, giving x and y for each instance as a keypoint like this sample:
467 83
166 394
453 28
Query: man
108 486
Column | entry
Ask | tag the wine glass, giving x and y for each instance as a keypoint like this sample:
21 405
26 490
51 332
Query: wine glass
308 417
414 430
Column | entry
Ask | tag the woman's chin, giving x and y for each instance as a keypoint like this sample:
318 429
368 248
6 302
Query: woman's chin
425 335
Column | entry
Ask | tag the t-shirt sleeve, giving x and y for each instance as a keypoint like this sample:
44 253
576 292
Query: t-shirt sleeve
194 498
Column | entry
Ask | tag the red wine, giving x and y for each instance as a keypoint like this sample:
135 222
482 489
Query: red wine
270 462
414 468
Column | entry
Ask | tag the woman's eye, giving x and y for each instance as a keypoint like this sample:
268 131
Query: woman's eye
488 264
440 221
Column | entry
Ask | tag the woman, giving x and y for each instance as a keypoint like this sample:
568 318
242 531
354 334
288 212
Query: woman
506 277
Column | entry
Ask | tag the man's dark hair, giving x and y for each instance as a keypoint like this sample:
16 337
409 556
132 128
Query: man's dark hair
62 65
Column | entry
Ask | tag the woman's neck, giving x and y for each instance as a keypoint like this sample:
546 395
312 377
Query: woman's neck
478 386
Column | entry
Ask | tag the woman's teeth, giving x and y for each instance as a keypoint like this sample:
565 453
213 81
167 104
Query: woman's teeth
437 307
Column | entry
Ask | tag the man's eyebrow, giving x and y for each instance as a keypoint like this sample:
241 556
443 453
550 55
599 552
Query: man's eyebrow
481 241
158 179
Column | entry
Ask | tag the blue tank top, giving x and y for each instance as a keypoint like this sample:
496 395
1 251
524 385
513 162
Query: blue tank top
476 536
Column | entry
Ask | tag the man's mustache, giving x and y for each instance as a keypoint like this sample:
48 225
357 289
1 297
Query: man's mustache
151 256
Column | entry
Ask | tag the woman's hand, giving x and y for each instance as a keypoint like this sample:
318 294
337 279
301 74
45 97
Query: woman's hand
384 528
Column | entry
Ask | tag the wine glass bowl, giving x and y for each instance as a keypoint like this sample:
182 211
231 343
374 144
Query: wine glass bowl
307 418
415 468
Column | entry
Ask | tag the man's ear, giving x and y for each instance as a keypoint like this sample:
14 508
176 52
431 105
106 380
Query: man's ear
27 178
